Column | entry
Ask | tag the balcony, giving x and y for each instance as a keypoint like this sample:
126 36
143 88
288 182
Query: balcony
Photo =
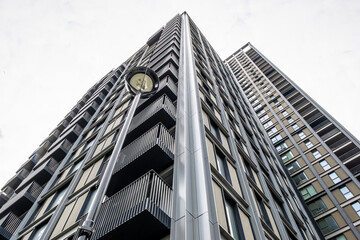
3 198
54 135
15 181
153 150
169 69
41 175
57 152
81 120
70 116
166 87
141 210
161 110
21 202
71 133
8 225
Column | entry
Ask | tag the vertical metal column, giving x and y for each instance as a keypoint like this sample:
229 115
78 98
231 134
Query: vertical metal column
194 214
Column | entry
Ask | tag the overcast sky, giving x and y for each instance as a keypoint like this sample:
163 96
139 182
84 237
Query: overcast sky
51 52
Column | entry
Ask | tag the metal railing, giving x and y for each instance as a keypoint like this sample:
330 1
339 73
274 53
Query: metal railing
161 103
9 224
147 193
158 135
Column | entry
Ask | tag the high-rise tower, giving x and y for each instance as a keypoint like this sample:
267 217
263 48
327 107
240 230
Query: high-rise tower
195 164
322 157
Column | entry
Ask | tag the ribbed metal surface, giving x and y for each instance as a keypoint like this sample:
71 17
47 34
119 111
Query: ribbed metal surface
9 224
161 103
158 135
147 193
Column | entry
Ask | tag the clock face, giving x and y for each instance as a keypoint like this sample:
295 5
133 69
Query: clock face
142 82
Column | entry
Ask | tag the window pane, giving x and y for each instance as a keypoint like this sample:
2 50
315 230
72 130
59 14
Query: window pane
317 207
325 165
300 178
327 224
230 214
346 192
334 177
292 167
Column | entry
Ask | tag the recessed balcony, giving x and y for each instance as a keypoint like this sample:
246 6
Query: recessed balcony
15 181
161 110
153 150
57 152
21 202
141 210
41 175
71 133
8 225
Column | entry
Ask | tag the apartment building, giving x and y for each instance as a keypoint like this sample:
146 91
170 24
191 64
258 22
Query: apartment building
195 164
321 156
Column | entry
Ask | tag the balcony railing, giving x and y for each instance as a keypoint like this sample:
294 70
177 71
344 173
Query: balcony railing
153 150
8 225
161 110
21 202
166 87
141 210
41 174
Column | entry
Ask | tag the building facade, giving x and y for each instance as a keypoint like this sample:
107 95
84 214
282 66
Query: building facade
321 156
196 162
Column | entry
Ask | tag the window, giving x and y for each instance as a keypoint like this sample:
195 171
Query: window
75 166
268 92
280 107
263 118
308 192
327 224
316 154
295 127
260 112
221 166
38 232
252 98
300 178
257 107
316 207
272 131
334 177
215 130
356 207
262 210
346 192
88 201
254 102
281 147
301 135
276 102
115 136
276 138
98 126
325 165
287 156
290 120
58 196
340 237
268 124
308 144
88 144
232 219
292 167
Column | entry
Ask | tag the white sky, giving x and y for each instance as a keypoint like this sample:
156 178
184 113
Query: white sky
51 52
